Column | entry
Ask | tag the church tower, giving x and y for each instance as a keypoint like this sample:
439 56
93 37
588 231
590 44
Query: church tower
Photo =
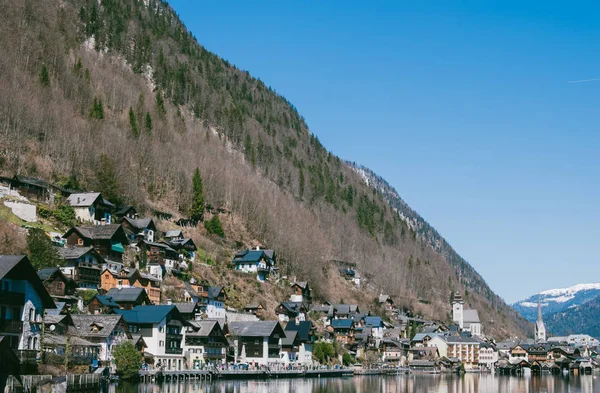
540 328
457 311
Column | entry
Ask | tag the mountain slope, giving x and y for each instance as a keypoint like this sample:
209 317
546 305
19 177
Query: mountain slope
581 319
557 300
121 89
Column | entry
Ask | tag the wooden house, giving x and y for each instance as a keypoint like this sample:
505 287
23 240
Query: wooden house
108 240
91 207
56 283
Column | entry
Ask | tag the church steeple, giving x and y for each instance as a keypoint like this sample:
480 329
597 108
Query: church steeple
540 328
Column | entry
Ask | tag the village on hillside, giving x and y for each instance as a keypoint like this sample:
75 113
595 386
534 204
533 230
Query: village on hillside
109 290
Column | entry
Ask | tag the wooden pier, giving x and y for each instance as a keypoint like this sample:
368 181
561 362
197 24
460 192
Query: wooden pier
209 375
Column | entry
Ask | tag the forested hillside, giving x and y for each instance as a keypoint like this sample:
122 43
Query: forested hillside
117 96
582 319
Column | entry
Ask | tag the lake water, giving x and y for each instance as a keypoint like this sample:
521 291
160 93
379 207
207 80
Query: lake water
468 383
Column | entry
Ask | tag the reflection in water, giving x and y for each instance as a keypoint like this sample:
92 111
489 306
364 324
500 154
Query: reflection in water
468 383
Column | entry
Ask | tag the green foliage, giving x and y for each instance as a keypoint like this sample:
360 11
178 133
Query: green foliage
107 180
347 359
214 226
41 251
44 212
65 214
133 123
97 109
78 66
148 123
413 330
160 104
323 352
366 214
87 295
197 210
301 182
44 76
127 359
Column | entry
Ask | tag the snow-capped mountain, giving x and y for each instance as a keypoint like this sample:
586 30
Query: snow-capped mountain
556 300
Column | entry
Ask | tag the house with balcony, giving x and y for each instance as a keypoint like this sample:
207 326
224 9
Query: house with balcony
205 344
342 330
173 235
301 349
91 207
159 258
128 297
163 330
23 299
256 342
107 331
107 240
185 247
131 278
463 348
488 355
289 311
213 304
139 229
82 265
259 262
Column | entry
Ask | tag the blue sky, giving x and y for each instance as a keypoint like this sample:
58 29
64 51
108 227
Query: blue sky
466 109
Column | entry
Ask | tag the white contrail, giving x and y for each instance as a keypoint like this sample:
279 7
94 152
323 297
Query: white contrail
585 80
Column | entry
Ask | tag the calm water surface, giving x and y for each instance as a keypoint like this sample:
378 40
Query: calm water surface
469 383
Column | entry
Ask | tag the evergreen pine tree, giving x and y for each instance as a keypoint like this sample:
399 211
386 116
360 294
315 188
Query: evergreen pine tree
44 76
107 180
133 123
160 104
197 210
41 251
148 123
214 226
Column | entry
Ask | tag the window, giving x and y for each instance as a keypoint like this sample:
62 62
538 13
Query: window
161 343
5 286
80 242
160 329
31 314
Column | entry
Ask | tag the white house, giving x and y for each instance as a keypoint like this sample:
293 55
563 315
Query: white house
305 337
488 355
90 207
257 342
162 327
205 344
106 330
260 262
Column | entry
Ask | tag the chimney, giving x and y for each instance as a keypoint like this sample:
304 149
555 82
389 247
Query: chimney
257 248
169 302
297 321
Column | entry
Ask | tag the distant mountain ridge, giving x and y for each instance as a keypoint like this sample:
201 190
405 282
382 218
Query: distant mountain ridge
581 319
557 300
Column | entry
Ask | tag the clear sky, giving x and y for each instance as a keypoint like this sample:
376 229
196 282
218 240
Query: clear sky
464 107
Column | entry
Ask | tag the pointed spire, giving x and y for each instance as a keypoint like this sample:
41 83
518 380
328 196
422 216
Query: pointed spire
539 313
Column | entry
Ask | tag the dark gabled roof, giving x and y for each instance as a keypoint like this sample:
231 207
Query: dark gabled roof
254 328
140 223
214 291
150 314
84 323
124 210
250 256
190 290
204 328
174 233
48 272
373 321
301 284
106 301
128 295
18 267
302 327
97 232
185 308
67 253
180 243
252 306
342 323
293 307
291 338
32 181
